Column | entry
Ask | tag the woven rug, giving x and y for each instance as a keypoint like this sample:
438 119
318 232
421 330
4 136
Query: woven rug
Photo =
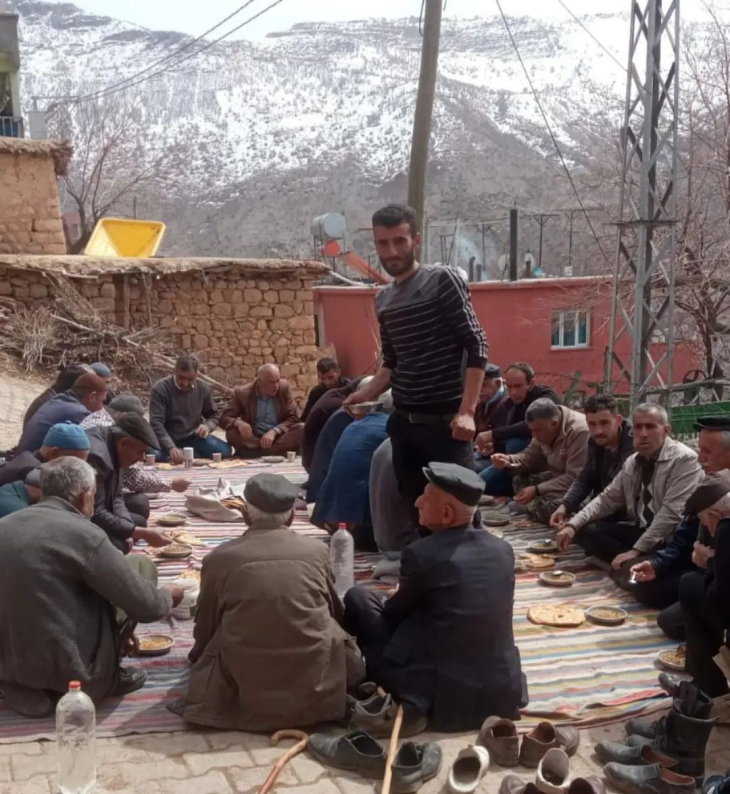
585 676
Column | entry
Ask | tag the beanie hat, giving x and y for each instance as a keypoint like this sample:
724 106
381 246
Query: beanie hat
101 369
66 435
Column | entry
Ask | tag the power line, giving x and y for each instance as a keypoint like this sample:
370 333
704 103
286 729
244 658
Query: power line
115 89
605 49
550 131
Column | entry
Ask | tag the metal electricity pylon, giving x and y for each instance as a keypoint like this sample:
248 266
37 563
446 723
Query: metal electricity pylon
643 288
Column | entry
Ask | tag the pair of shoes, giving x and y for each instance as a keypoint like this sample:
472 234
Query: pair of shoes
357 751
499 736
553 777
467 771
376 715
667 754
130 680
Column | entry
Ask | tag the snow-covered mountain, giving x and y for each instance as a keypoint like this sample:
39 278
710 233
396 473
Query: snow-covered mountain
318 118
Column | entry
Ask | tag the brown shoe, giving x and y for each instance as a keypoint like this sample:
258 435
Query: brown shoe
542 738
511 784
500 737
587 785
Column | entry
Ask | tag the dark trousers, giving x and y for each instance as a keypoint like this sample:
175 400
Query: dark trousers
704 634
138 505
417 445
606 539
671 621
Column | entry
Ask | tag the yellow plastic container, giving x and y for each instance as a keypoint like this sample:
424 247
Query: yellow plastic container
124 237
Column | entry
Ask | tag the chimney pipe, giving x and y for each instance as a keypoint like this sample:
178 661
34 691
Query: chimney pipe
513 228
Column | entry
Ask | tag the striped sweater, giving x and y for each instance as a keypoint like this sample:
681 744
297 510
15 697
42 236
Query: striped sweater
428 332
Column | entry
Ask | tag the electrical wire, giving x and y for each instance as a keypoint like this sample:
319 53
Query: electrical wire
605 49
117 88
420 18
550 131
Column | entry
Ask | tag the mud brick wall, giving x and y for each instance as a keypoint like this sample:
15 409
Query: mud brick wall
30 216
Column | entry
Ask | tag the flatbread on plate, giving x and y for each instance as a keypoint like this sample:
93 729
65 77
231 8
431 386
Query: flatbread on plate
538 562
187 537
561 615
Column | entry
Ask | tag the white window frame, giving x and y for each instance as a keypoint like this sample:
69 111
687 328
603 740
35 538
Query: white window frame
562 313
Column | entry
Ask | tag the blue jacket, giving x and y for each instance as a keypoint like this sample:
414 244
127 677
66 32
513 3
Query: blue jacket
676 556
64 407
13 497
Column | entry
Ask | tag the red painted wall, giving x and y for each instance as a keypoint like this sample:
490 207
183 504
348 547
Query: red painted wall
516 316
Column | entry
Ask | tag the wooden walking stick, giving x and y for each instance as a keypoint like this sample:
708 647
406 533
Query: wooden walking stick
288 755
392 749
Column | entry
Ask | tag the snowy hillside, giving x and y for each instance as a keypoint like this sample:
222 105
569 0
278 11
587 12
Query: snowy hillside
318 118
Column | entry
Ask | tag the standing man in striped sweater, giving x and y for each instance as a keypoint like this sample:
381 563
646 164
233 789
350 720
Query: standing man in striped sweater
434 352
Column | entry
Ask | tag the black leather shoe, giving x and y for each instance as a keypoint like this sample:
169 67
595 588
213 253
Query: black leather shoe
670 682
356 751
413 765
130 680
653 779
632 754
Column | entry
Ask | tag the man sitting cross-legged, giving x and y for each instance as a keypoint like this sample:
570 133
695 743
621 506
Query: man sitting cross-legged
611 443
184 414
60 580
262 418
652 487
269 652
443 645
548 467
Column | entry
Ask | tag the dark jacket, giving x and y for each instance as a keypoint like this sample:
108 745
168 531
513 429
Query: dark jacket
64 407
269 652
452 651
485 413
509 420
676 556
110 511
38 403
718 573
60 580
327 404
175 415
319 391
600 468
19 466
244 406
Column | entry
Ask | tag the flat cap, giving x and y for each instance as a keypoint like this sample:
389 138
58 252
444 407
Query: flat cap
713 423
462 483
706 494
66 435
102 369
271 493
138 428
493 371
127 404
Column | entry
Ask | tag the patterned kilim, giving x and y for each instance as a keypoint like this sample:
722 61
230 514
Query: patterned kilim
584 676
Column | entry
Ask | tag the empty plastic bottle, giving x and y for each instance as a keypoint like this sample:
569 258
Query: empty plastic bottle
342 556
75 741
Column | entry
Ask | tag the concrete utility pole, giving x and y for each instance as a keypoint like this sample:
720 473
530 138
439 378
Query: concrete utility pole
643 286
424 107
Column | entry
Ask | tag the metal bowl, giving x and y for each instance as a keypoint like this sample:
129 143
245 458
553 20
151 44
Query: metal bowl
156 639
557 578
176 551
546 546
595 616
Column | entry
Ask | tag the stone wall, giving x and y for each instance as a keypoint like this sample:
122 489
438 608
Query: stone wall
234 321
30 216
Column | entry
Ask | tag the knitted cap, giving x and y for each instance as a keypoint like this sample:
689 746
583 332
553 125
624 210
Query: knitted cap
67 435
101 369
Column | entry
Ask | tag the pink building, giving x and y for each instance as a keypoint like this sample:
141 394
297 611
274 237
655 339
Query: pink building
560 326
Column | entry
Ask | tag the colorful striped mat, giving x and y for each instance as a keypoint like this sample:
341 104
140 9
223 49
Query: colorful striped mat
585 676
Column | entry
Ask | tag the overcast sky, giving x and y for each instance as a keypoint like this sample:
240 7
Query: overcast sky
194 16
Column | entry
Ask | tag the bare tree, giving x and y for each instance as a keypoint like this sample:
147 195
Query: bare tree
118 156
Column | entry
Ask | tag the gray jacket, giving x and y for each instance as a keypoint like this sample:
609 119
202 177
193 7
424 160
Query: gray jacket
676 475
110 510
60 580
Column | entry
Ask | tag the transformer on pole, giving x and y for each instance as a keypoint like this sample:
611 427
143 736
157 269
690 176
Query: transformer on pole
643 287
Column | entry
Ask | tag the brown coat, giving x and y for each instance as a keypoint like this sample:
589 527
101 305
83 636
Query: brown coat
269 653
243 407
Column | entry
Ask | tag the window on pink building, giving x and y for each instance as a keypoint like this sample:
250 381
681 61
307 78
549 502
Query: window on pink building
571 328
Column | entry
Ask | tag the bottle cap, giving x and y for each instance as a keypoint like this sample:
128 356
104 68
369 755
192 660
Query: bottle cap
342 525
74 686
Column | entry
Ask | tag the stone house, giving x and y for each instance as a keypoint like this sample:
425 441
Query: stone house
30 215
236 314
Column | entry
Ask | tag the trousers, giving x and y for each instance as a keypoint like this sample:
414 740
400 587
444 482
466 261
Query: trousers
671 621
417 445
704 634
202 447
249 446
498 482
606 539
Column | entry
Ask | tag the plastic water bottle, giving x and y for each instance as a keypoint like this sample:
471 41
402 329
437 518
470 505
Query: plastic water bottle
75 741
342 556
